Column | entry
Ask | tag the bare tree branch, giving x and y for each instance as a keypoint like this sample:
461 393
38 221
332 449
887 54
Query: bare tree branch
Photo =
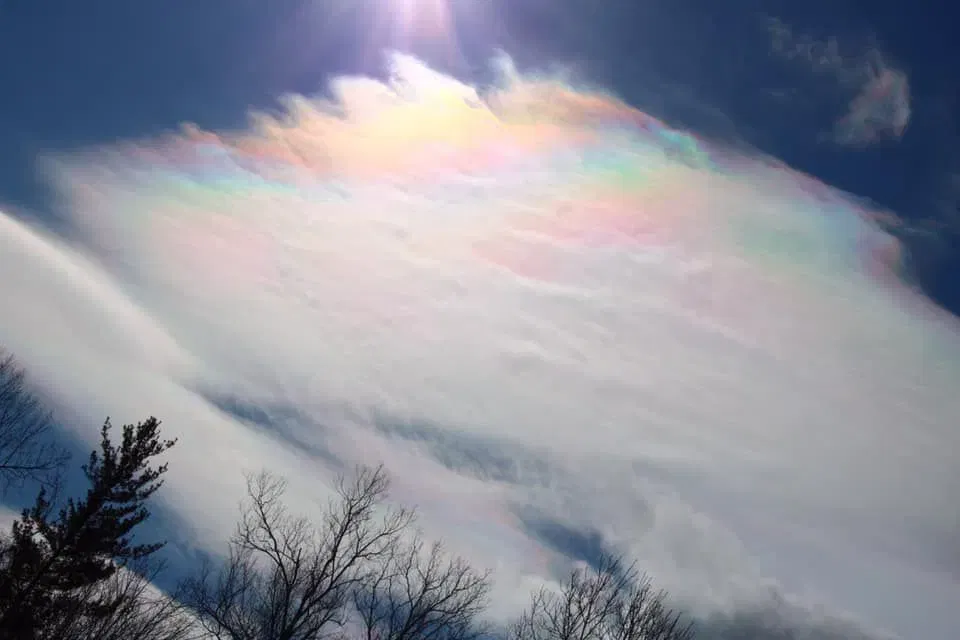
609 602
26 451
415 594
136 609
286 579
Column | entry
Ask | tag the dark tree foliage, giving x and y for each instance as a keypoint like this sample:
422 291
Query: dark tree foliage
26 451
51 558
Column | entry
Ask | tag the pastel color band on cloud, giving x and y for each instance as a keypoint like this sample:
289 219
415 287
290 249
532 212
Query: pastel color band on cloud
613 176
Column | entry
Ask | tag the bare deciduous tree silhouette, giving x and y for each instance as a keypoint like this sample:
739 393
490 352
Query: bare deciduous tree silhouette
136 609
286 579
611 601
26 451
421 594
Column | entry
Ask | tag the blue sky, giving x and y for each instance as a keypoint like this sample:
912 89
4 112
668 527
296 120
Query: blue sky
779 420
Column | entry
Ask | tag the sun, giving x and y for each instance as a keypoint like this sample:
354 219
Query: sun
423 17
425 27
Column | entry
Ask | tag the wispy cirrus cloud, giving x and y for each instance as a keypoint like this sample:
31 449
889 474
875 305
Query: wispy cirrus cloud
879 108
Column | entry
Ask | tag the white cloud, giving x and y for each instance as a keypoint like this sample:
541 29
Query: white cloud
520 313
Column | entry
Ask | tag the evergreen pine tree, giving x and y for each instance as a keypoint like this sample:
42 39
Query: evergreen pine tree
51 558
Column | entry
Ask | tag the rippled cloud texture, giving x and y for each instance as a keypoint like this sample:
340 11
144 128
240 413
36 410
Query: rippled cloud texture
562 326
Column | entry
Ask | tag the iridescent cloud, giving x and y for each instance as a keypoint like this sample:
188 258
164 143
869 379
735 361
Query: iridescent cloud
535 303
